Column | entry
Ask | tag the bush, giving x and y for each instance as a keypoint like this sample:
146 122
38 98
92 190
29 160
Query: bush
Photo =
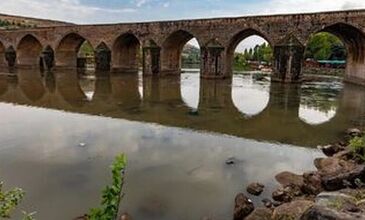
357 146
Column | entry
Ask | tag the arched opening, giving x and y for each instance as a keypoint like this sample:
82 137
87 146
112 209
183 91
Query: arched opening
29 51
102 57
74 51
249 60
179 50
126 53
325 54
249 50
338 46
190 78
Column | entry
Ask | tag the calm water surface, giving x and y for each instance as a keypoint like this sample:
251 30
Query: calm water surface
177 132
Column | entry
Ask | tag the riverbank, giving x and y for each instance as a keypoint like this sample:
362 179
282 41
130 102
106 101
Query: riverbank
336 190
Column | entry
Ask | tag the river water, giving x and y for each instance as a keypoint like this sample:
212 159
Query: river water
60 132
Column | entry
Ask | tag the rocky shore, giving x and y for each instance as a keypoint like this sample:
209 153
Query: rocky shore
336 190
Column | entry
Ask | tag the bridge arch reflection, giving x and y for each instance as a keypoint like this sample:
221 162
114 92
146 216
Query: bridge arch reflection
118 96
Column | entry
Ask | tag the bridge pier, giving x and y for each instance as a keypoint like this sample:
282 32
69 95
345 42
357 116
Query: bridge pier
212 65
103 58
288 55
151 60
10 56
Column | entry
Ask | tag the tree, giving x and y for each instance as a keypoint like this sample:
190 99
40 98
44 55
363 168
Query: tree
325 46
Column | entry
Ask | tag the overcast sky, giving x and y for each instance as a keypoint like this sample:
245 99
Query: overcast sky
113 11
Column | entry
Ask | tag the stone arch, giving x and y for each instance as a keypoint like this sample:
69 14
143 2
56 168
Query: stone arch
125 53
29 51
67 50
102 57
171 51
235 40
354 40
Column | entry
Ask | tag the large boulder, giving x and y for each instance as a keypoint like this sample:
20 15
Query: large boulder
292 210
335 172
260 214
341 205
312 183
243 207
288 178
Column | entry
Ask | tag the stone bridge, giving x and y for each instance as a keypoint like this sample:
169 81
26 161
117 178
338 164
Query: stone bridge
117 46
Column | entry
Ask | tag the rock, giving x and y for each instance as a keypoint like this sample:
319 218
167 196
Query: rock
292 210
276 203
343 205
312 183
323 213
287 193
288 178
281 195
330 150
354 132
268 203
231 161
338 181
243 207
335 172
260 214
125 216
337 199
255 189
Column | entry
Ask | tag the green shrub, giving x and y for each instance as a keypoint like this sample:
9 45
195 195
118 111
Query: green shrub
357 146
111 195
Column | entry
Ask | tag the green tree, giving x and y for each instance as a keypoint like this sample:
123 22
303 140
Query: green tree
325 46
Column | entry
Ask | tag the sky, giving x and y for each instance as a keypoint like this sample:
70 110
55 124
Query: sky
116 11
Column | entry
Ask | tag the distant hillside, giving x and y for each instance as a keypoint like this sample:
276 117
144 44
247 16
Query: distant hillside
19 22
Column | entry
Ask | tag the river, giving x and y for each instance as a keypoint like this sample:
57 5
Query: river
60 132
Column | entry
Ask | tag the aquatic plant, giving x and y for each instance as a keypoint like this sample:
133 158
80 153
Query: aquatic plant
112 194
9 200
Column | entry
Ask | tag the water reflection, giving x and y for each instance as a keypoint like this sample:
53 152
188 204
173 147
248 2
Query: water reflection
190 87
172 167
244 107
319 101
249 96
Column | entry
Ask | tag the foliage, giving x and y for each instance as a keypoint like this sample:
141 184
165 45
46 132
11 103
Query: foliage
111 195
9 200
357 146
190 55
260 53
86 50
325 46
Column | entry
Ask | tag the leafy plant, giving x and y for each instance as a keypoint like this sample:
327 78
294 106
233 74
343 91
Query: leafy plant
9 200
357 146
111 195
